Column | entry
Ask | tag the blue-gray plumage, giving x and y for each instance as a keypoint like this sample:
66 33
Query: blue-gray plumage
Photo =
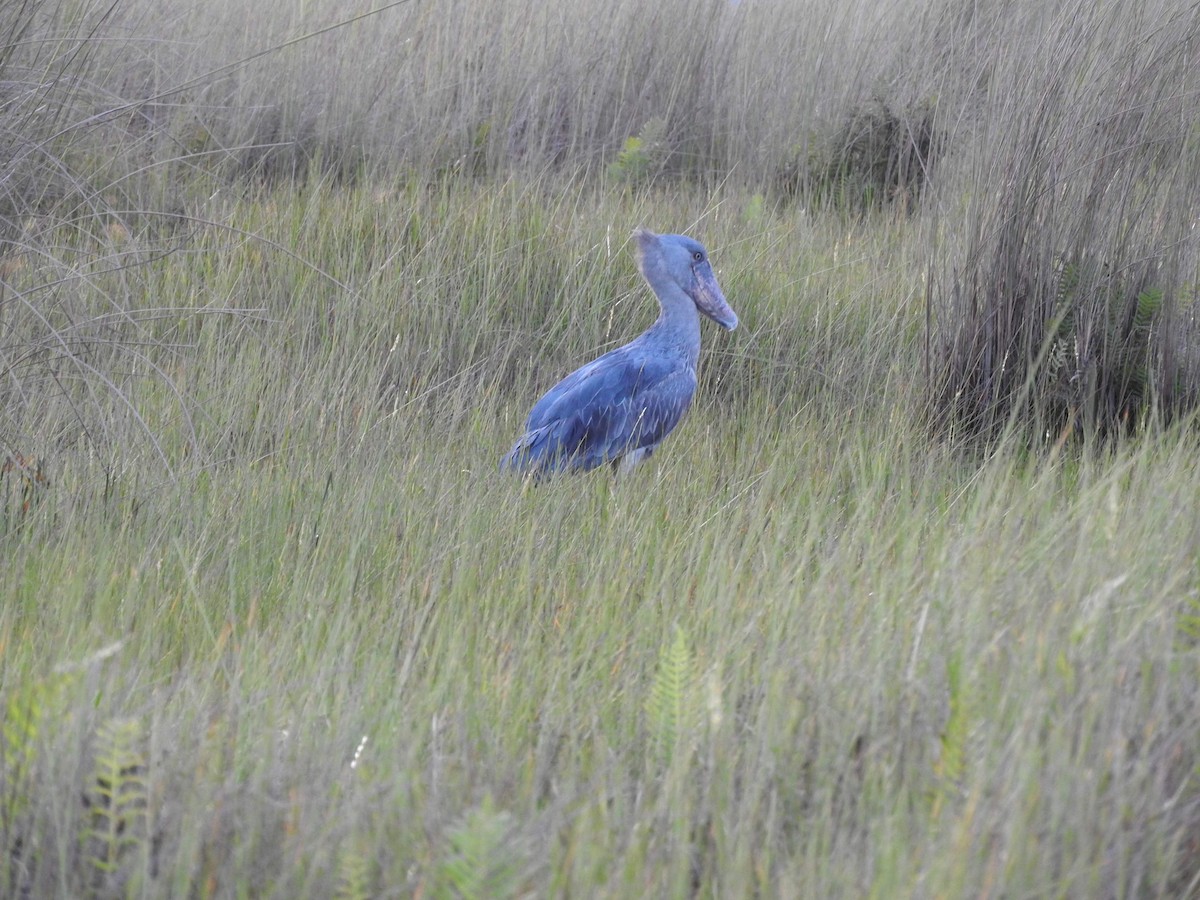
619 407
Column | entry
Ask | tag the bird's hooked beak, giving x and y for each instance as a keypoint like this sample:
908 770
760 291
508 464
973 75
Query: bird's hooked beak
707 296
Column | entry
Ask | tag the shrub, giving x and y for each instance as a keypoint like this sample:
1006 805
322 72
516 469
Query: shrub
643 156
879 155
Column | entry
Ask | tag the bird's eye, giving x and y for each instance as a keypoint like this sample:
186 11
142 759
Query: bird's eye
698 256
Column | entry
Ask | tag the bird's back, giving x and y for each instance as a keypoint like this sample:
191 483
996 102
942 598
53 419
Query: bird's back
624 401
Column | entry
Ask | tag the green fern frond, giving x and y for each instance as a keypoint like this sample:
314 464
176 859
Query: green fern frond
27 708
1068 280
671 709
482 865
353 871
1149 302
116 796
951 764
1189 621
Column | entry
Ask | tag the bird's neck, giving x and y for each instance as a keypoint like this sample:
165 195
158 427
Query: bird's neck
678 324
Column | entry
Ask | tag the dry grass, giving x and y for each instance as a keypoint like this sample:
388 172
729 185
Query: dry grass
1068 279
274 626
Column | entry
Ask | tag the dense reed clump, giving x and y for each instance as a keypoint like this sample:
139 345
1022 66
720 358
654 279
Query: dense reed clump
1068 296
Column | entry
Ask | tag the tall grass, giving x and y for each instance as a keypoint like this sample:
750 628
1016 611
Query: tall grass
274 625
1049 149
740 90
1070 283
895 669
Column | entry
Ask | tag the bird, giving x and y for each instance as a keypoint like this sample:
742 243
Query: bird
618 408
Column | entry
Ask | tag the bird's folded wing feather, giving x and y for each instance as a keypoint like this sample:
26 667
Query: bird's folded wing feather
615 404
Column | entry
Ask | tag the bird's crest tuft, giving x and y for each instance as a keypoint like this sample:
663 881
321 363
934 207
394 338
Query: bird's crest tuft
646 241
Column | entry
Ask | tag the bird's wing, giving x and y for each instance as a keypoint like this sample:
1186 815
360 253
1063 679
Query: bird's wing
605 375
618 403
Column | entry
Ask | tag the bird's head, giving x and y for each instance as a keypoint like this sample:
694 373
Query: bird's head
678 258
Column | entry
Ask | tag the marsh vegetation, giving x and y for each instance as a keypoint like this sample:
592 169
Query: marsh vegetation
909 606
